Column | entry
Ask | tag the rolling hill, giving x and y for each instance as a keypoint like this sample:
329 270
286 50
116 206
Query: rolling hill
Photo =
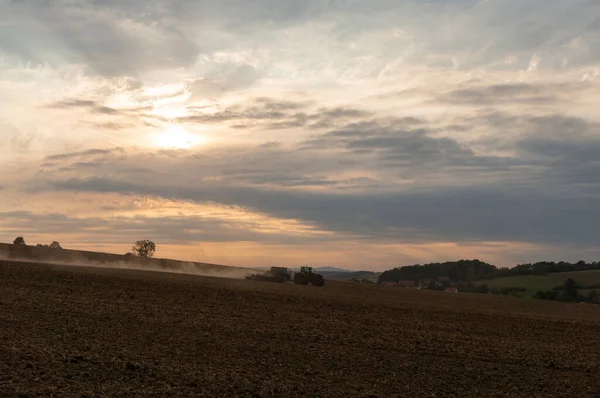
110 260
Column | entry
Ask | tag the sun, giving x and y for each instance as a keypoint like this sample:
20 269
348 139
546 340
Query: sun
176 137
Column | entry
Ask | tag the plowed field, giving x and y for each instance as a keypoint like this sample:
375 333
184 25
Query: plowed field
75 331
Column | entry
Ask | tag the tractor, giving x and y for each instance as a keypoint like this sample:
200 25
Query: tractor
308 275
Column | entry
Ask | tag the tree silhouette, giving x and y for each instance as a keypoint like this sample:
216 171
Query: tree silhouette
144 248
19 241
55 245
570 293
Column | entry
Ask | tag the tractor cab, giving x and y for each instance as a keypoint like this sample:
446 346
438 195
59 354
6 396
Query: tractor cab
306 270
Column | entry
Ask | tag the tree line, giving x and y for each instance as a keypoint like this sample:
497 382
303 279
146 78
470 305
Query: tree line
141 248
472 270
462 270
19 240
547 267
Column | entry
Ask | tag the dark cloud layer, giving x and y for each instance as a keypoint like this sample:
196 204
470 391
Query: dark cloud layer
501 93
545 193
464 214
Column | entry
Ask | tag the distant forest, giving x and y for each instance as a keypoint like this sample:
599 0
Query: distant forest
472 270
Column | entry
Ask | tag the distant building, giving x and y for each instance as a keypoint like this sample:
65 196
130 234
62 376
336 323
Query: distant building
407 284
434 282
451 290
424 283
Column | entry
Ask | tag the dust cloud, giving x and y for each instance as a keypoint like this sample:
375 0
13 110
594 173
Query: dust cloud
179 267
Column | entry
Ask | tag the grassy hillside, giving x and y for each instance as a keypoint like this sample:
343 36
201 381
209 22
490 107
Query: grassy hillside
533 283
344 276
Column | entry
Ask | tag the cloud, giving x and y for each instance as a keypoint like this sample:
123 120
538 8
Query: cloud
83 154
19 142
271 114
92 106
252 109
359 38
507 93
74 104
270 145
104 39
280 104
224 79
331 117
98 108
113 126
411 152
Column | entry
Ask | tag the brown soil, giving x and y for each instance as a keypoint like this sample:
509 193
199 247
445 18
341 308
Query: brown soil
74 331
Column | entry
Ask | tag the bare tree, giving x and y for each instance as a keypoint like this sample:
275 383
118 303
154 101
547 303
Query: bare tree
144 248
19 241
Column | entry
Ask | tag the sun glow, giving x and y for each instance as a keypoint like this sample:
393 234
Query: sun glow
176 137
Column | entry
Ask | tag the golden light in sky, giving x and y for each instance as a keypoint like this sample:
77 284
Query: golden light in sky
176 137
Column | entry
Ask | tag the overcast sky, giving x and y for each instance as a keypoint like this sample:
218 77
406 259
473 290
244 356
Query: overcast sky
357 133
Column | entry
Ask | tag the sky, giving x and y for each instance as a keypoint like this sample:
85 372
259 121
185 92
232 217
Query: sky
364 134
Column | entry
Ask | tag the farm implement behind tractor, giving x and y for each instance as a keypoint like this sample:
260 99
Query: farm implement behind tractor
305 276
275 274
